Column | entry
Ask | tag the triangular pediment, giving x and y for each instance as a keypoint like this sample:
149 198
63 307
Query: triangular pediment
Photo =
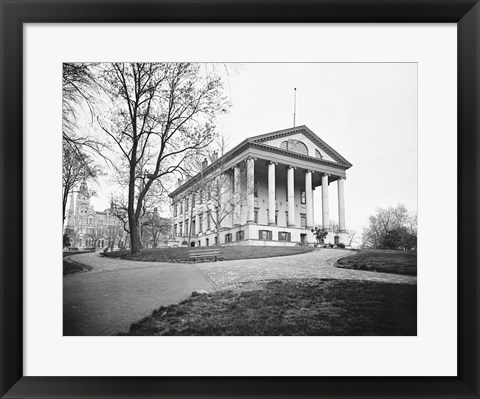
301 140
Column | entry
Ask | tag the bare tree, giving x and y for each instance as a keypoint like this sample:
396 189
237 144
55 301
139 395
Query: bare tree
386 221
215 189
77 167
162 112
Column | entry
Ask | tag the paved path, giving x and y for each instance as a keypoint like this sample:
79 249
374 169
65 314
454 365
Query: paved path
106 300
117 292
317 264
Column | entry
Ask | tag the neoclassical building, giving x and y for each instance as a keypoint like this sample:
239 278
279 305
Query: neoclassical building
261 193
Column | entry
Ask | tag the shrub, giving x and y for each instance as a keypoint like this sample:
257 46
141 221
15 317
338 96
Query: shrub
340 245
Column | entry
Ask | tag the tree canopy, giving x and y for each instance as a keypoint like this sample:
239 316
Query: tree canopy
391 228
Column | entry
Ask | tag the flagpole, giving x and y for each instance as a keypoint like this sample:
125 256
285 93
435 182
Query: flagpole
294 105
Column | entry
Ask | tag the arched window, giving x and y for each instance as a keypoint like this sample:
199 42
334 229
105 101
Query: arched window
295 146
298 146
317 154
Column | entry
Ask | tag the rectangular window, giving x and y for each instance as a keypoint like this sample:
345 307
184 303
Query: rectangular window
276 217
286 217
265 235
200 221
174 230
255 187
240 235
303 197
208 220
336 240
181 229
255 215
228 237
303 219
284 236
216 240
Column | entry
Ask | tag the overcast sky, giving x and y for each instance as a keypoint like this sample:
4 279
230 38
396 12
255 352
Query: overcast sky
367 112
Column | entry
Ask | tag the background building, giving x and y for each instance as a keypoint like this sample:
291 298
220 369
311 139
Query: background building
88 228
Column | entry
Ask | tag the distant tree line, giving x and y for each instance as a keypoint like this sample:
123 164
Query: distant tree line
391 228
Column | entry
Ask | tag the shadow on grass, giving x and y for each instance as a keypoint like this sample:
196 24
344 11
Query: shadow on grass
292 307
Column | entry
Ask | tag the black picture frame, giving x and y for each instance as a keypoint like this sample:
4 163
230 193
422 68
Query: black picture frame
14 13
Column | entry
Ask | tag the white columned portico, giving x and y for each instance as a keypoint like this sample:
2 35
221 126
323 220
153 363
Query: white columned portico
325 206
309 198
236 196
250 189
291 196
271 193
341 205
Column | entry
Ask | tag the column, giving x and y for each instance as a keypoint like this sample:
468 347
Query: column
236 196
204 210
184 203
325 212
197 213
341 205
309 198
271 193
250 190
291 195
178 218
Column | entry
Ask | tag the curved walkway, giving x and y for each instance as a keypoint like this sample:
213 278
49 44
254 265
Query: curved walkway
117 292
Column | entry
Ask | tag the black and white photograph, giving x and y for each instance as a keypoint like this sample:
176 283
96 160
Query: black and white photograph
239 199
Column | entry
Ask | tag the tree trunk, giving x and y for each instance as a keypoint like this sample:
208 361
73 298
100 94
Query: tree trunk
134 237
65 198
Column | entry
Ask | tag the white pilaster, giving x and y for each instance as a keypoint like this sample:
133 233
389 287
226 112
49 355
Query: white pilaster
236 196
178 218
341 204
196 211
250 190
309 198
184 206
325 206
271 193
204 211
291 195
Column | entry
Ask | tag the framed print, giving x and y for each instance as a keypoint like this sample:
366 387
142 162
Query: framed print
384 100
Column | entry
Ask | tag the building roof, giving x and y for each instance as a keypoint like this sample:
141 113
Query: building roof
260 143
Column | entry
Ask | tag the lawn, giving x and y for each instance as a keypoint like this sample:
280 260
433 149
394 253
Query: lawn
384 261
292 307
70 267
180 255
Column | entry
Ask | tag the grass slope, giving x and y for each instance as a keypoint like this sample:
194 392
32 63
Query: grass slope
384 261
293 307
181 255
74 267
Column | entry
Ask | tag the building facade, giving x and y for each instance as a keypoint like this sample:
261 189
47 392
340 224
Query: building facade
88 228
261 193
